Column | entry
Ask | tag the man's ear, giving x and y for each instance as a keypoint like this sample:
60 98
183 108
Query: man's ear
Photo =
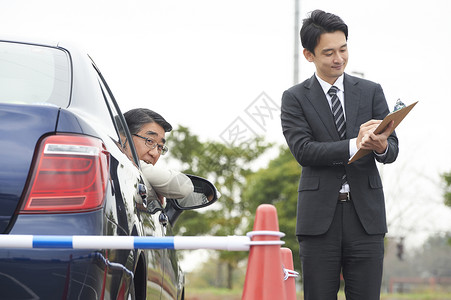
308 55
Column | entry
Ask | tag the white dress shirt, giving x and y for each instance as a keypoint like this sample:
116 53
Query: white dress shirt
168 183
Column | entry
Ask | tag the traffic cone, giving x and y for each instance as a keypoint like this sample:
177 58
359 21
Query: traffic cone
290 282
264 274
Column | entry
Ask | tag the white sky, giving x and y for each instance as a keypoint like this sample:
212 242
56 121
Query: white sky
204 63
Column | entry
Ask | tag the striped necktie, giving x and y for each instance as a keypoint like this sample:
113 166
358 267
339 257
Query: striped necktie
339 117
337 111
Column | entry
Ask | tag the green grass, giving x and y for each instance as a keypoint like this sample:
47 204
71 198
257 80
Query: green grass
417 296
212 294
225 294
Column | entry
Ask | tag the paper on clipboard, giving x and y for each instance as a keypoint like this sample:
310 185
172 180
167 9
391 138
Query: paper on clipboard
396 116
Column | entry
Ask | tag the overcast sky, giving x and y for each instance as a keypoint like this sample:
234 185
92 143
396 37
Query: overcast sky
210 65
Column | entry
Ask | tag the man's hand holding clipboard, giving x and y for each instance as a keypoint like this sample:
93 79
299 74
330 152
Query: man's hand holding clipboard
387 126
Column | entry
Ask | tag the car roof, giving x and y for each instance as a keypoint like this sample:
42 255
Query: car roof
71 46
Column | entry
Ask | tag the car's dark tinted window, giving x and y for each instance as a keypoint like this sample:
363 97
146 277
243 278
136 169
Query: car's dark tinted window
34 74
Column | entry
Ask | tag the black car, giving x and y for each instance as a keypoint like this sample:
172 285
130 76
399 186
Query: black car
62 172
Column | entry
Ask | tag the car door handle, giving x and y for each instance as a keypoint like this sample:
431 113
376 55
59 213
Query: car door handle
163 219
142 191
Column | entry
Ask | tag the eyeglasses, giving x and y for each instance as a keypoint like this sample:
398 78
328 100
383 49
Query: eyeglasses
162 149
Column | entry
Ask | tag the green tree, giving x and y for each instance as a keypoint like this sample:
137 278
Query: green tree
227 166
277 184
447 192
447 195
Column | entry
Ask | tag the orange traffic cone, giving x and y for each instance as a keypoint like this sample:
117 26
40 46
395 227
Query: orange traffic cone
264 274
290 274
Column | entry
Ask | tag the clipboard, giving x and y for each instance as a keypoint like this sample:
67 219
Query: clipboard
396 116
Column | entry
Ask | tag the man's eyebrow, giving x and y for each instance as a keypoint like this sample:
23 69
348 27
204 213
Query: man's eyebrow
332 49
153 133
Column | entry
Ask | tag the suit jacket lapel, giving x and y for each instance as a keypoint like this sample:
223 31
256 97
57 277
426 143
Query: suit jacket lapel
318 100
352 101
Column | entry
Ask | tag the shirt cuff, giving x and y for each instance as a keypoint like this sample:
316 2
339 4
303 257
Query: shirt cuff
382 154
352 147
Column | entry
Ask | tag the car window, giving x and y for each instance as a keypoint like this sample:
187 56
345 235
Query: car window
31 74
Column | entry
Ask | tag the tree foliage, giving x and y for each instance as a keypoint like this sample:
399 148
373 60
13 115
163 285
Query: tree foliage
447 194
277 184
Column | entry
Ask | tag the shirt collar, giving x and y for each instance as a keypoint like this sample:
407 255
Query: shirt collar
326 86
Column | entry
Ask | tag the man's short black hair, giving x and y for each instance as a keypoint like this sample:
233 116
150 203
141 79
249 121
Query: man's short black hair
317 23
138 117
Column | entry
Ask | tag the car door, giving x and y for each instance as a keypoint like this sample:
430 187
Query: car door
173 276
145 220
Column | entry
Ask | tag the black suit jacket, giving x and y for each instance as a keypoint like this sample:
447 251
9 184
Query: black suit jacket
309 128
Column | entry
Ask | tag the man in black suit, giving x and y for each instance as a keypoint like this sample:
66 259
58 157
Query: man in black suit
341 211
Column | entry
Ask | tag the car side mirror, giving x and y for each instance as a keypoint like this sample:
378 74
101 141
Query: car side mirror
204 194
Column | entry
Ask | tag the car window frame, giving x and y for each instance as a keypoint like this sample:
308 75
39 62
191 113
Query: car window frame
109 97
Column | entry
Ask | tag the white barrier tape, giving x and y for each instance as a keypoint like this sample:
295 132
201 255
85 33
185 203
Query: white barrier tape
229 243
103 242
84 242
16 241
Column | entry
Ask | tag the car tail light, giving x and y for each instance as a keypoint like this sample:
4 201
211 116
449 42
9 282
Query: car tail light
70 175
